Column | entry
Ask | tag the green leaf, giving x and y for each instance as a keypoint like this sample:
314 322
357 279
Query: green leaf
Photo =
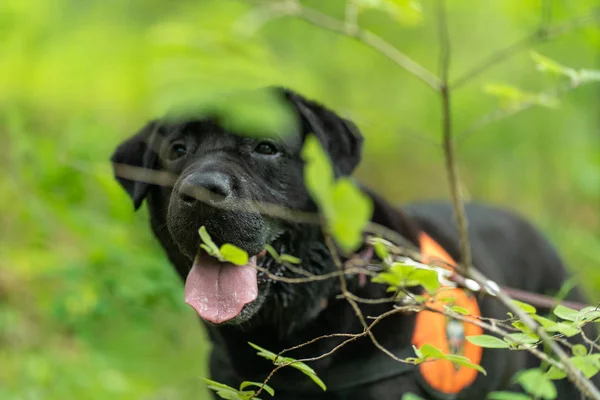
418 352
208 250
565 328
401 275
352 213
411 396
318 174
589 365
428 351
521 326
511 97
347 210
290 259
488 341
465 362
544 64
210 246
407 12
302 367
508 396
536 383
459 310
544 322
579 350
253 112
234 254
566 313
588 314
381 250
272 252
266 388
224 391
521 338
528 308
555 373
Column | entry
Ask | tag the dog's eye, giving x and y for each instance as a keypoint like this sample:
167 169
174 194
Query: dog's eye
177 151
266 148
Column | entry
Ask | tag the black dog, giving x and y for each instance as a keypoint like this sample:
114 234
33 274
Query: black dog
241 305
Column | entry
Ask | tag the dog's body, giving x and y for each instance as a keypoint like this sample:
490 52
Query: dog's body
282 315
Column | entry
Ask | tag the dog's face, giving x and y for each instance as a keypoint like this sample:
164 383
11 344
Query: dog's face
224 181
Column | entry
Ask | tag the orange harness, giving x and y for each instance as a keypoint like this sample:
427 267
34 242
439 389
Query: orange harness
445 333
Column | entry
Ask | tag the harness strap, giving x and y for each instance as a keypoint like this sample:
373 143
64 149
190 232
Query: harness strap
446 334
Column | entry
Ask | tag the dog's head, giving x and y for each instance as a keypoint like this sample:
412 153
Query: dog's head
223 179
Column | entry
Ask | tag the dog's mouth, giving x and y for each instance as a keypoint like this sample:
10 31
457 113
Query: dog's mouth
219 291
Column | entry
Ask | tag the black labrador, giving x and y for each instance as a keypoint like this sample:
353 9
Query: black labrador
240 305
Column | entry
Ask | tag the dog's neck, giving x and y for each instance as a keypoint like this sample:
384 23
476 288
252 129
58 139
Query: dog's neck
234 360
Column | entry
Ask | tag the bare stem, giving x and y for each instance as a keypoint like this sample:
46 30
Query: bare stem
448 144
584 385
349 28
542 34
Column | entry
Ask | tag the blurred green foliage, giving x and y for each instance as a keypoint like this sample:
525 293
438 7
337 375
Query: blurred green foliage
89 307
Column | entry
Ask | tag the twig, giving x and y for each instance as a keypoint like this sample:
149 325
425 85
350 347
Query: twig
499 331
575 375
503 113
448 144
542 34
350 30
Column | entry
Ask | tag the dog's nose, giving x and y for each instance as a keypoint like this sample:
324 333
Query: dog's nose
217 187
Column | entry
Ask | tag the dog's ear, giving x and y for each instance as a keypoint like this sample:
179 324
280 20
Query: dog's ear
137 151
340 137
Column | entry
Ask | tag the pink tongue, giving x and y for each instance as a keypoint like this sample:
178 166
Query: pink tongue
218 291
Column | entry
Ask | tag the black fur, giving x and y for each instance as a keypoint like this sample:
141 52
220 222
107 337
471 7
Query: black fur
505 248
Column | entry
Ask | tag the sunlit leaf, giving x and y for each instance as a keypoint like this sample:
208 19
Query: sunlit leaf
209 245
234 254
290 259
346 209
407 12
318 174
579 350
381 250
411 396
401 275
566 329
589 365
488 341
545 64
460 310
528 308
543 321
521 338
428 351
302 367
566 313
224 391
511 97
588 314
352 213
555 373
265 387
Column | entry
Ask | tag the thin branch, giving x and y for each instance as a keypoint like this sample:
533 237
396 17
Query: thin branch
574 374
542 34
448 143
503 113
346 29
